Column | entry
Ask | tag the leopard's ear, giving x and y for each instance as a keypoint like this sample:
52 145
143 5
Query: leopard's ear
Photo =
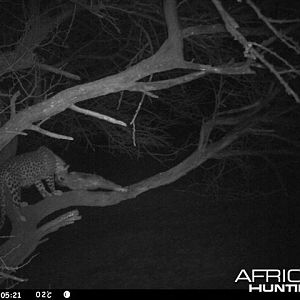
63 169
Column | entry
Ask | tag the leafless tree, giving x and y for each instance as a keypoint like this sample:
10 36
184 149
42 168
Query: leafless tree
225 69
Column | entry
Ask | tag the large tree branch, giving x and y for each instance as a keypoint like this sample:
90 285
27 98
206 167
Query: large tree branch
26 236
168 57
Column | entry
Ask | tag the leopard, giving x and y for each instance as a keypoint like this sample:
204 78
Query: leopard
25 170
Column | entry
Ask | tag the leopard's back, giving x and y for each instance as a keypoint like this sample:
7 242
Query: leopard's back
28 168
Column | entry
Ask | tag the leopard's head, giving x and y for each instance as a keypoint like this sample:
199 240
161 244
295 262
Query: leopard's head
60 166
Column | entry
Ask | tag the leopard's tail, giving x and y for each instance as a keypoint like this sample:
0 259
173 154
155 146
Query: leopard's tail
2 206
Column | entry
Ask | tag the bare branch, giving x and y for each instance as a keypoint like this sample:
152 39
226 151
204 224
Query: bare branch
286 40
58 71
51 134
97 115
250 52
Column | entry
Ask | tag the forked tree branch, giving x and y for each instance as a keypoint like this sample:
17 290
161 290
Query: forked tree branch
168 57
26 236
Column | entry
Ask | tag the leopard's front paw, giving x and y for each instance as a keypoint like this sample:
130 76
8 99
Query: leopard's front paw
57 193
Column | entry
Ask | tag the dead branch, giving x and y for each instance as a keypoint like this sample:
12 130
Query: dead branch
250 51
97 115
168 57
26 236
